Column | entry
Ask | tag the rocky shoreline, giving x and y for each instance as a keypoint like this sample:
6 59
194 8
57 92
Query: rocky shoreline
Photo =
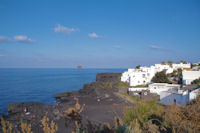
98 103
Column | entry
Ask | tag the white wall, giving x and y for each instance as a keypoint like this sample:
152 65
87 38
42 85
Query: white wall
159 87
193 94
139 78
125 77
169 92
137 89
189 76
168 98
161 67
181 65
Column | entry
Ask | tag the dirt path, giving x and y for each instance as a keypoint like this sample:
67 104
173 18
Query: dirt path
126 99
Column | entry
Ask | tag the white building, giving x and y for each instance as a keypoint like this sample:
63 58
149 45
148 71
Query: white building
160 87
125 77
157 88
171 97
181 65
180 97
143 75
193 94
170 93
161 67
190 76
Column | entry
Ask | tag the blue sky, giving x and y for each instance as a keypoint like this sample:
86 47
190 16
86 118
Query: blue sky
98 33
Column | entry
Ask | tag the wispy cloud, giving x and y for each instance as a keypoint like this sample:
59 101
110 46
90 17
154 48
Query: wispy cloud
62 29
18 38
158 48
5 39
93 35
154 47
1 55
23 39
117 46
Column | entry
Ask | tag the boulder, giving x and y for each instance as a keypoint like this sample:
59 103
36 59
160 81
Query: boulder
15 108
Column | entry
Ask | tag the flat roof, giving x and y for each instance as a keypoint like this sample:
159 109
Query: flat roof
166 84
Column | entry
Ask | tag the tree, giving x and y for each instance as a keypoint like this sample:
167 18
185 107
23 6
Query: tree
196 81
173 74
160 77
163 63
192 65
138 67
180 76
170 63
182 61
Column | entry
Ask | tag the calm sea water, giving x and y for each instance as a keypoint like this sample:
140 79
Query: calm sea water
41 85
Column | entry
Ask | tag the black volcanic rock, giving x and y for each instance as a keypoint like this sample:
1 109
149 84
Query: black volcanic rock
19 107
101 105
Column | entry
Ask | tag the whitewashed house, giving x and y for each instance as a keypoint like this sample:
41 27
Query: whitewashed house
180 97
177 97
190 76
161 67
160 87
125 77
143 75
169 93
181 65
157 88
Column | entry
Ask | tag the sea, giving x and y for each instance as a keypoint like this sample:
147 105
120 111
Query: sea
42 84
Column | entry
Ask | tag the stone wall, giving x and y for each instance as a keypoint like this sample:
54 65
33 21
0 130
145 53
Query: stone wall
108 77
144 94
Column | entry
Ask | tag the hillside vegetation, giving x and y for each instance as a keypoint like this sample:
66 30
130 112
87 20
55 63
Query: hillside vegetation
151 117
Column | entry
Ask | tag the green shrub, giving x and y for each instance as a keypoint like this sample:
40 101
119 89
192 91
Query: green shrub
138 67
196 81
121 85
133 98
140 86
142 112
160 77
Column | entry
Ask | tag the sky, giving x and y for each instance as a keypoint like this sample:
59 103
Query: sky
98 33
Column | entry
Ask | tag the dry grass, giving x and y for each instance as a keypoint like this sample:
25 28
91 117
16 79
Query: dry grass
25 128
48 127
73 114
184 119
154 118
6 126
